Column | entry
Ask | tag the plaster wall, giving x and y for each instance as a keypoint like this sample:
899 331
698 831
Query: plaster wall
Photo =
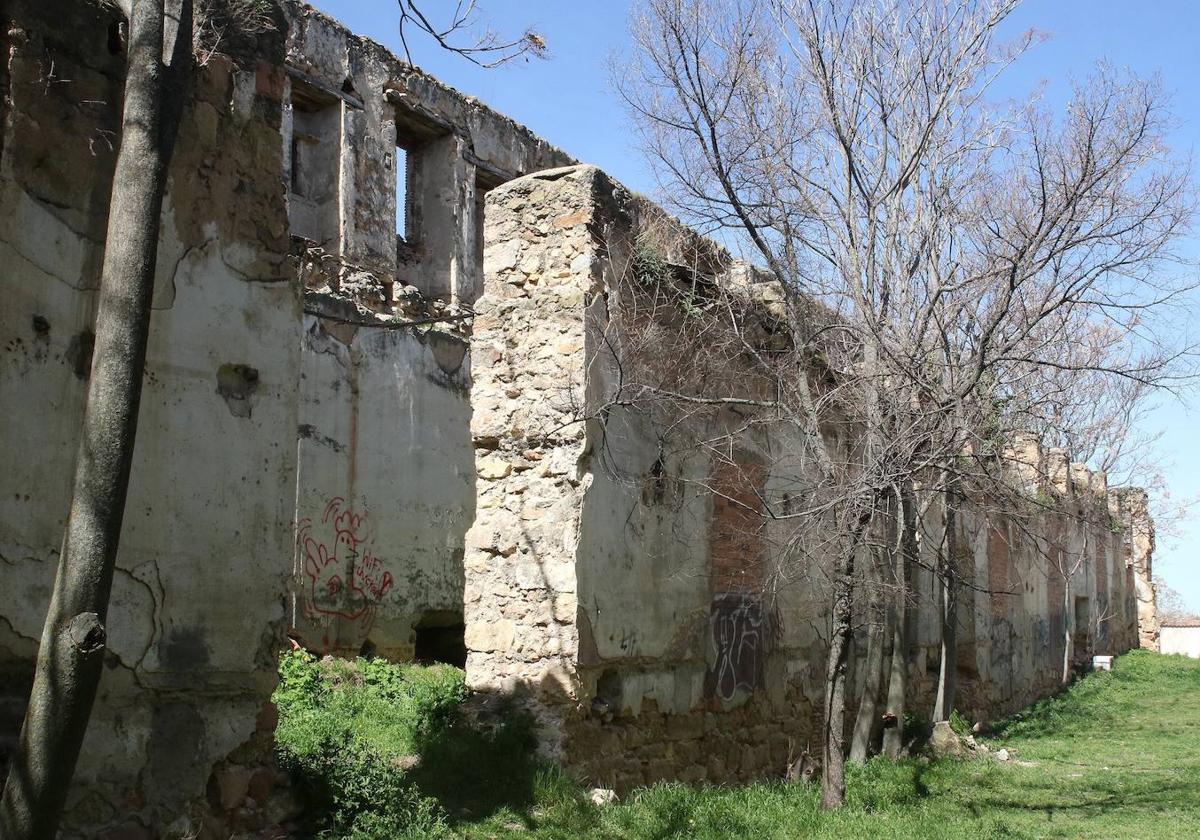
1181 640
198 600
386 485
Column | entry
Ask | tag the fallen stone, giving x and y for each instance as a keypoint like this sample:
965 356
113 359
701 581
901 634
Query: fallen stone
407 762
262 782
944 742
233 782
493 468
602 796
1002 754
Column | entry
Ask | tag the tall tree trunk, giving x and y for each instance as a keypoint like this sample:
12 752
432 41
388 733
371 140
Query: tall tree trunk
947 664
833 758
833 775
893 736
868 722
1067 636
74 638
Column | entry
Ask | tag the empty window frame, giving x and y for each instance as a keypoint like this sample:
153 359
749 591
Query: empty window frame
312 156
404 227
424 184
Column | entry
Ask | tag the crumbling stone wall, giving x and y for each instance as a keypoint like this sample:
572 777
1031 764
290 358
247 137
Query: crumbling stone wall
386 473
612 587
197 606
335 445
303 461
1131 509
531 455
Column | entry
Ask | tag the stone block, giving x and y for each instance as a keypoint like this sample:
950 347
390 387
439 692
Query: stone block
685 726
490 636
233 783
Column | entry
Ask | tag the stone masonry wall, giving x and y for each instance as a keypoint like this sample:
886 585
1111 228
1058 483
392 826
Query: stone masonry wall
620 590
1131 508
530 451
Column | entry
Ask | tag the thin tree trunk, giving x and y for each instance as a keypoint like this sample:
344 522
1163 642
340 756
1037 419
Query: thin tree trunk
833 776
867 724
833 759
893 736
74 637
1067 637
947 664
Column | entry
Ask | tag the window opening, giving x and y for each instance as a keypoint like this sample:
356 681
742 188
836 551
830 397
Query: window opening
403 175
313 171
441 637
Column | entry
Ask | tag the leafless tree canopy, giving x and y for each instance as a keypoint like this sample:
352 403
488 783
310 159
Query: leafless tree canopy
1172 606
967 270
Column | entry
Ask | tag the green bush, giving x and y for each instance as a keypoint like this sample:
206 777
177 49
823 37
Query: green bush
349 732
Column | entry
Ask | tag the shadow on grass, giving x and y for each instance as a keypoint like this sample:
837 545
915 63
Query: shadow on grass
473 773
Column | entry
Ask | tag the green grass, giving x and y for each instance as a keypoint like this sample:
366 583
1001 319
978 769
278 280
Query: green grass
1116 756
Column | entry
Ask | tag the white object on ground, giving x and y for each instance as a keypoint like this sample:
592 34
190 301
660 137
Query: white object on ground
602 796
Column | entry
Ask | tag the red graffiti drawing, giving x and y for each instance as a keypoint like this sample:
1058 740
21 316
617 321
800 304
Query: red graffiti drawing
345 579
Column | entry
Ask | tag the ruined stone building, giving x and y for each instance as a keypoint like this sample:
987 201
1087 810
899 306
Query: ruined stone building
369 356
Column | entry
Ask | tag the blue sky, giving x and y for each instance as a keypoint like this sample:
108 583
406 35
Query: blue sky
569 101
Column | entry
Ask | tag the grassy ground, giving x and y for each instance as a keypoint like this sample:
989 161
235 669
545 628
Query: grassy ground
1117 756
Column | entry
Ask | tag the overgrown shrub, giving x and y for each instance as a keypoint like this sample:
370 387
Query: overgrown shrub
349 732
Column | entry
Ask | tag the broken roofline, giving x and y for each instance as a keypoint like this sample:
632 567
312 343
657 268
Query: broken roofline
441 104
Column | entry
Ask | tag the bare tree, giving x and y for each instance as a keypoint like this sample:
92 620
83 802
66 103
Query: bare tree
465 35
958 245
1172 606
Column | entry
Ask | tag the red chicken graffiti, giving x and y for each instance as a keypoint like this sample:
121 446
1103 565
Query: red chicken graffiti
345 579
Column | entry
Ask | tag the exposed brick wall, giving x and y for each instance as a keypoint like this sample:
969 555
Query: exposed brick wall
736 539
1000 567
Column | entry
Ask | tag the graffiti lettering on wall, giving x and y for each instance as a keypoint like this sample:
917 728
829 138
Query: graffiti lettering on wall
345 579
738 640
